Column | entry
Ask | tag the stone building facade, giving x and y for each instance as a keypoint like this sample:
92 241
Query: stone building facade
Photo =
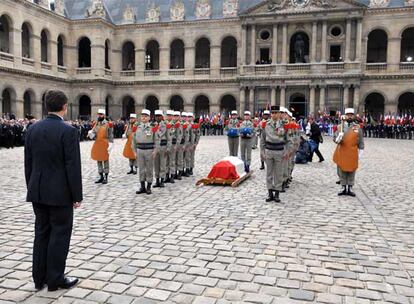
208 55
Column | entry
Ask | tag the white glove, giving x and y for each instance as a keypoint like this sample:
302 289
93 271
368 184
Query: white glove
340 137
360 153
91 134
110 146
124 136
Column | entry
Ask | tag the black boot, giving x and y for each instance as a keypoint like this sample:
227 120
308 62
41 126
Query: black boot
148 188
100 180
247 168
162 185
277 199
270 197
287 184
167 178
349 192
185 173
262 166
343 192
283 188
142 189
178 175
105 181
190 171
131 171
338 182
135 171
157 183
172 177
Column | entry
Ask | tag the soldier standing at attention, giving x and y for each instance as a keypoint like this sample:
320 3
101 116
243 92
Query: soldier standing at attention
195 135
255 137
171 148
187 145
274 144
233 134
160 160
128 153
146 144
262 125
103 133
246 142
350 146
180 144
285 161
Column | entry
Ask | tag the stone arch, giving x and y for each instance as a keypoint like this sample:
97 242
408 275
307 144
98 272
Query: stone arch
229 52
152 55
45 45
201 105
298 105
61 40
299 47
128 106
8 100
27 40
6 34
202 53
85 107
128 56
177 54
108 103
374 104
406 103
228 103
407 45
377 46
177 103
29 98
107 54
84 52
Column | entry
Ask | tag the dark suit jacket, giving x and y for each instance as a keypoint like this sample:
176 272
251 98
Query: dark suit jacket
53 163
315 132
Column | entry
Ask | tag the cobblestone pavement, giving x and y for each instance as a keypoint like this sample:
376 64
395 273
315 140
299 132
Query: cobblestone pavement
221 245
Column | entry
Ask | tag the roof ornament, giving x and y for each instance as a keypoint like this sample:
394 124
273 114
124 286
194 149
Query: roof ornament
96 10
230 8
129 15
203 9
153 13
177 11
378 3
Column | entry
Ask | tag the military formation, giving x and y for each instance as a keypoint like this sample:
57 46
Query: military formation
164 147
279 136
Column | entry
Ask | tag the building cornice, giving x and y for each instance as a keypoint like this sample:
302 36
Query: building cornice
389 10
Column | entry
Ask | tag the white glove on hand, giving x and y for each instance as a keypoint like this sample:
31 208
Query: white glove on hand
360 153
340 137
110 146
91 134
124 136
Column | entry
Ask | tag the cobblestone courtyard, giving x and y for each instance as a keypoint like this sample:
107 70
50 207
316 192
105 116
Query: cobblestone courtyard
221 245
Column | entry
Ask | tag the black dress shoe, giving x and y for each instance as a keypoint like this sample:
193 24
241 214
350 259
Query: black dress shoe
66 284
276 197
39 287
343 192
349 192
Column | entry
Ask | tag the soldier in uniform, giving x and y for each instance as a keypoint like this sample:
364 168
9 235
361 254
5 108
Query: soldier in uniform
181 144
160 161
350 145
171 148
285 162
246 141
233 134
274 144
195 135
187 144
146 143
262 124
103 133
128 153
294 135
255 137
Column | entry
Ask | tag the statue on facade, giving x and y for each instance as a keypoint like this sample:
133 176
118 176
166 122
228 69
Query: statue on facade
96 10
275 4
129 15
299 49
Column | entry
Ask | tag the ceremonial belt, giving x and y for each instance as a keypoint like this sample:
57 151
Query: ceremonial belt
275 146
174 141
163 142
146 146
246 136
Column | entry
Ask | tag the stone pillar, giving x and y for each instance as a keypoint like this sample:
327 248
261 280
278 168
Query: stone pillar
346 96
312 99
274 44
253 46
98 59
18 108
139 60
393 54
251 99
189 60
348 40
283 96
243 47
164 61
359 41
215 58
242 99
356 99
53 55
322 97
36 52
273 96
284 44
324 33
16 48
314 39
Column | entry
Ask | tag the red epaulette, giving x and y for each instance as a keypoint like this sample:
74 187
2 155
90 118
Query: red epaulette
255 125
195 126
155 129
264 124
177 125
110 124
169 126
185 126
134 128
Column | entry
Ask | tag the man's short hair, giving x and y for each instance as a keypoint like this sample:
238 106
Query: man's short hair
55 100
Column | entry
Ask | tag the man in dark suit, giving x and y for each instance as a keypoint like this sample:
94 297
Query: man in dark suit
54 186
316 136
